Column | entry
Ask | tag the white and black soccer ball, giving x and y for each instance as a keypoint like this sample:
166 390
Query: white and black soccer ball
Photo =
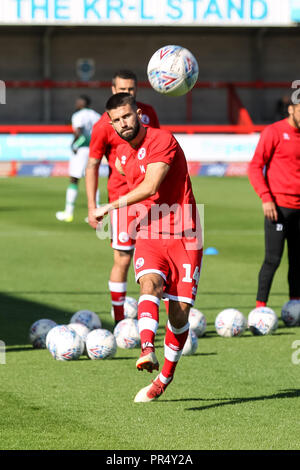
262 321
126 333
64 344
230 322
38 332
191 344
172 70
88 318
290 313
101 344
197 322
130 308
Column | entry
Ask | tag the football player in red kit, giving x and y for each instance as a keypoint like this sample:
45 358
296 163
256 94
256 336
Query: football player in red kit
168 251
274 173
104 141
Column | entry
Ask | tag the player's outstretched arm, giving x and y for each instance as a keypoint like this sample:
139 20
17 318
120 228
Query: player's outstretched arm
155 174
91 183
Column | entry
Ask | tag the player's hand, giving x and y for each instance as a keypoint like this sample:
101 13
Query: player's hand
270 211
100 212
93 222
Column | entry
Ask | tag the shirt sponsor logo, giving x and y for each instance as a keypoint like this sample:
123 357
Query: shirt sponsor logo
123 159
145 315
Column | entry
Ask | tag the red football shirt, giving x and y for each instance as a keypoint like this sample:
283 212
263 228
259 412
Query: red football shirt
105 140
274 171
172 210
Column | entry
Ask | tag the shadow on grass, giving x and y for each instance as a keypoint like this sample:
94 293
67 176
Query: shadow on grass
17 315
238 293
290 393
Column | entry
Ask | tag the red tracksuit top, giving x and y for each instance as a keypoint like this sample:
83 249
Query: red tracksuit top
274 171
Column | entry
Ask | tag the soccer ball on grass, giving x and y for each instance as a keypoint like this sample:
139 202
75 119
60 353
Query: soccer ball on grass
290 313
230 322
88 318
197 322
191 344
262 321
38 332
126 333
101 344
64 344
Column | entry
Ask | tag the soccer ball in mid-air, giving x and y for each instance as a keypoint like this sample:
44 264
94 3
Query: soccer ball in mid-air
126 333
101 344
130 308
64 344
230 322
172 70
88 318
290 313
197 322
191 344
262 321
38 332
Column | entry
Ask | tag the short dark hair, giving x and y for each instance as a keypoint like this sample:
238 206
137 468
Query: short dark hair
120 99
125 74
86 99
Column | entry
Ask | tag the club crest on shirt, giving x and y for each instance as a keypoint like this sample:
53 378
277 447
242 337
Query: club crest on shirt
139 263
145 119
141 153
286 136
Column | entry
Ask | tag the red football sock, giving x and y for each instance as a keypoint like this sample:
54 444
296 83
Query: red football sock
174 342
294 298
260 304
148 317
118 293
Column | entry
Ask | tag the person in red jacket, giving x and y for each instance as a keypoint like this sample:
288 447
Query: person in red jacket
274 173
104 142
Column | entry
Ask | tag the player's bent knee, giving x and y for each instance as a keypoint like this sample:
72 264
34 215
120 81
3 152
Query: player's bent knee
122 257
178 313
151 284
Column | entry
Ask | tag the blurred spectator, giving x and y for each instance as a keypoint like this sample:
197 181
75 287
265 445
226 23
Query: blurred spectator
282 105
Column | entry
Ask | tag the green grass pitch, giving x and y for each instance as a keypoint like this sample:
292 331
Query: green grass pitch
234 393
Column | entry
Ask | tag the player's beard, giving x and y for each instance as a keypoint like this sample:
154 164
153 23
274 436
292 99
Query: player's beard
131 132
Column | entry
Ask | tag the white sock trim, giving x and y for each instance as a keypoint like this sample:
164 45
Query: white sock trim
163 379
151 298
117 304
147 324
178 331
119 287
171 355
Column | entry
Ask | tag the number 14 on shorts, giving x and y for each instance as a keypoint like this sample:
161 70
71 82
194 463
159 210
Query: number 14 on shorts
188 272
